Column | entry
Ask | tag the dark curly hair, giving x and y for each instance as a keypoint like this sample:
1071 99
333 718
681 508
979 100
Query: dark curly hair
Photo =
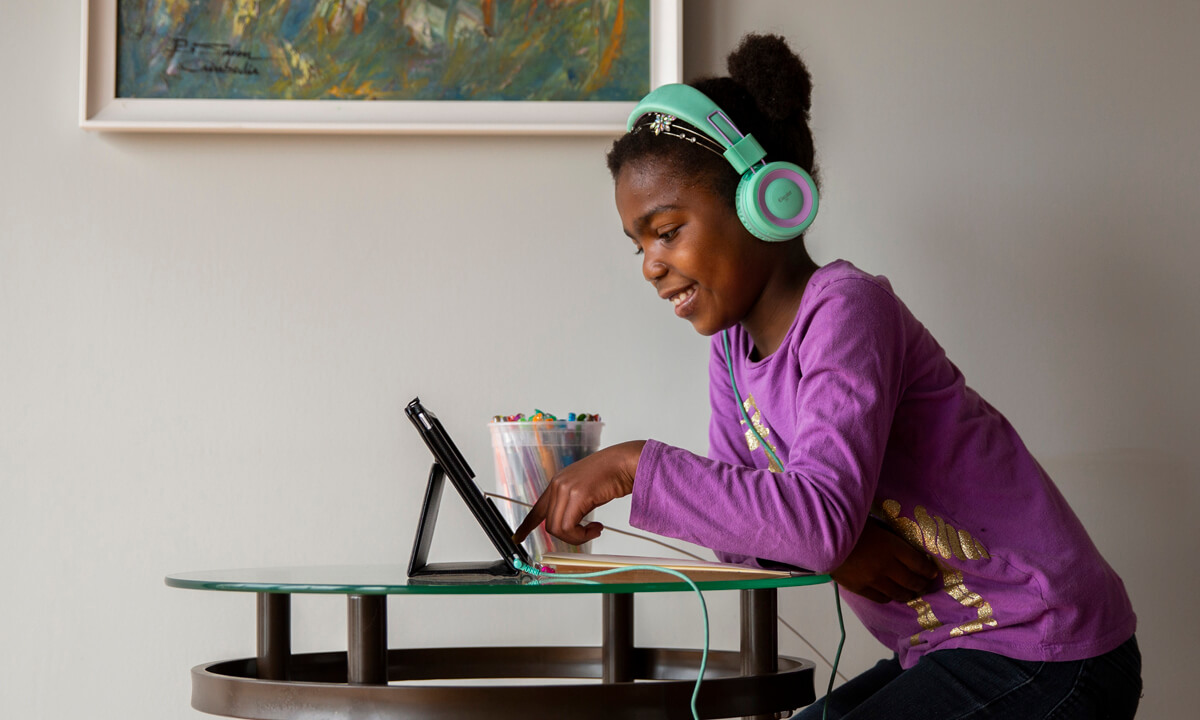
768 94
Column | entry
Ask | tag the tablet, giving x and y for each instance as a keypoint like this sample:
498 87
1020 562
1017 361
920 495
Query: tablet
449 462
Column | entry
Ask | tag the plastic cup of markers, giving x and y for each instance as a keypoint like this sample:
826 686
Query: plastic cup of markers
527 454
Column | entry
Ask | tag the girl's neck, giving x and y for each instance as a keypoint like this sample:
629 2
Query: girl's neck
775 311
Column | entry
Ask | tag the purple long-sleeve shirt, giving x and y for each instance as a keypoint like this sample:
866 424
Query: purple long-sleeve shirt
869 417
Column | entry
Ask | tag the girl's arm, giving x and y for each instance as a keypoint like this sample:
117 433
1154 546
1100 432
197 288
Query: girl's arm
811 514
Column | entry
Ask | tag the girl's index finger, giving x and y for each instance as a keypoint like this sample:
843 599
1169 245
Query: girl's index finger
535 517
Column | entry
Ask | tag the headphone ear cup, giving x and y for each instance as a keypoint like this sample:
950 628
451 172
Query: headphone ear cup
777 202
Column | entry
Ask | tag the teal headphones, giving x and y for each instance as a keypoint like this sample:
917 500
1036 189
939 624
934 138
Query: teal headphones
776 201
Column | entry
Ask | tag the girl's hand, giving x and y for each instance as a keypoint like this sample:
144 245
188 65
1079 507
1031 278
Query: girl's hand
580 488
883 566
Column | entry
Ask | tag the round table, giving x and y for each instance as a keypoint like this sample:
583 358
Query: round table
635 682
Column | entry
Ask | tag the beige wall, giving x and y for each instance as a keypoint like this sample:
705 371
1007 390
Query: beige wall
206 342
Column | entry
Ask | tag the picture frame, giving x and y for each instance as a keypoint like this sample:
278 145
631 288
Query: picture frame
100 109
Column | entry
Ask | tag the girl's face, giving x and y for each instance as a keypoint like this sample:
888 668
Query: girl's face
694 249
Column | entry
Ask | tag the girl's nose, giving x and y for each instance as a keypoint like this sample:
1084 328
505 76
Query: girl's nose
652 267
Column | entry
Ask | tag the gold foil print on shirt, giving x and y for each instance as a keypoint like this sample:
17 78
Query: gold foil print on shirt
956 589
965 547
909 529
955 541
985 619
953 585
934 531
756 419
925 618
942 541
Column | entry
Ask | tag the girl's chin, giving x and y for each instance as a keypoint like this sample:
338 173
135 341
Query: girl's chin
709 326
707 329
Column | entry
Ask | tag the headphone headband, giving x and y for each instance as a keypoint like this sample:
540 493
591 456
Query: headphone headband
695 108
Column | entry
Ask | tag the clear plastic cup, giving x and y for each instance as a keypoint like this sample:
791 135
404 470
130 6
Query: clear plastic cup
527 454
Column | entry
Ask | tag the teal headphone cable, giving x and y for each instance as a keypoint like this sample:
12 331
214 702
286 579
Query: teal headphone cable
837 658
771 453
608 528
837 598
742 407
537 572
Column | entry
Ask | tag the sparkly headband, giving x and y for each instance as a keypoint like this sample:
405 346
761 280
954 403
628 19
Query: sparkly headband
663 124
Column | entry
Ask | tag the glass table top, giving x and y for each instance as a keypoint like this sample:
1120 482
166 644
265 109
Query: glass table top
394 580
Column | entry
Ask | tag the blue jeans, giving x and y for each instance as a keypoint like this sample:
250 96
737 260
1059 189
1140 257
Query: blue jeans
951 684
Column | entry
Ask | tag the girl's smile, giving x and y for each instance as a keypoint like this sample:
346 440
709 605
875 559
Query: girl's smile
681 301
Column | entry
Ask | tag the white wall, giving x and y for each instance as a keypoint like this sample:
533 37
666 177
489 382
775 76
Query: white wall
206 342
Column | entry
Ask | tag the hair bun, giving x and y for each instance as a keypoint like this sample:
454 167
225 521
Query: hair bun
774 76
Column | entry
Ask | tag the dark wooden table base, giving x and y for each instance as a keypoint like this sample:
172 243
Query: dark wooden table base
634 682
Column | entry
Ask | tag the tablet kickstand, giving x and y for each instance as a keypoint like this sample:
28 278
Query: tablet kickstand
418 565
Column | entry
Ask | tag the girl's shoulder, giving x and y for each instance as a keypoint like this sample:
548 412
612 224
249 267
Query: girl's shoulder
848 301
843 286
834 277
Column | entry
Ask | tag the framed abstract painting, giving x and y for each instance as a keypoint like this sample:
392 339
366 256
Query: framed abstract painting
374 66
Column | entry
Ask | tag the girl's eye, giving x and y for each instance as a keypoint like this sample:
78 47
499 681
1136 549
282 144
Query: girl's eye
637 252
668 234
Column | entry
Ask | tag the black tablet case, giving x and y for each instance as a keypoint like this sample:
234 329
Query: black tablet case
449 462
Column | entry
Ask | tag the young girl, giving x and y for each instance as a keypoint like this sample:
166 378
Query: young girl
857 447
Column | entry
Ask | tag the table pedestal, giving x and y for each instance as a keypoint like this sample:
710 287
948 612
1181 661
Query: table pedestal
277 685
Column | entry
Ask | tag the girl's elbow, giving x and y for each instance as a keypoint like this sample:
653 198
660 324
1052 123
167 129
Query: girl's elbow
838 548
